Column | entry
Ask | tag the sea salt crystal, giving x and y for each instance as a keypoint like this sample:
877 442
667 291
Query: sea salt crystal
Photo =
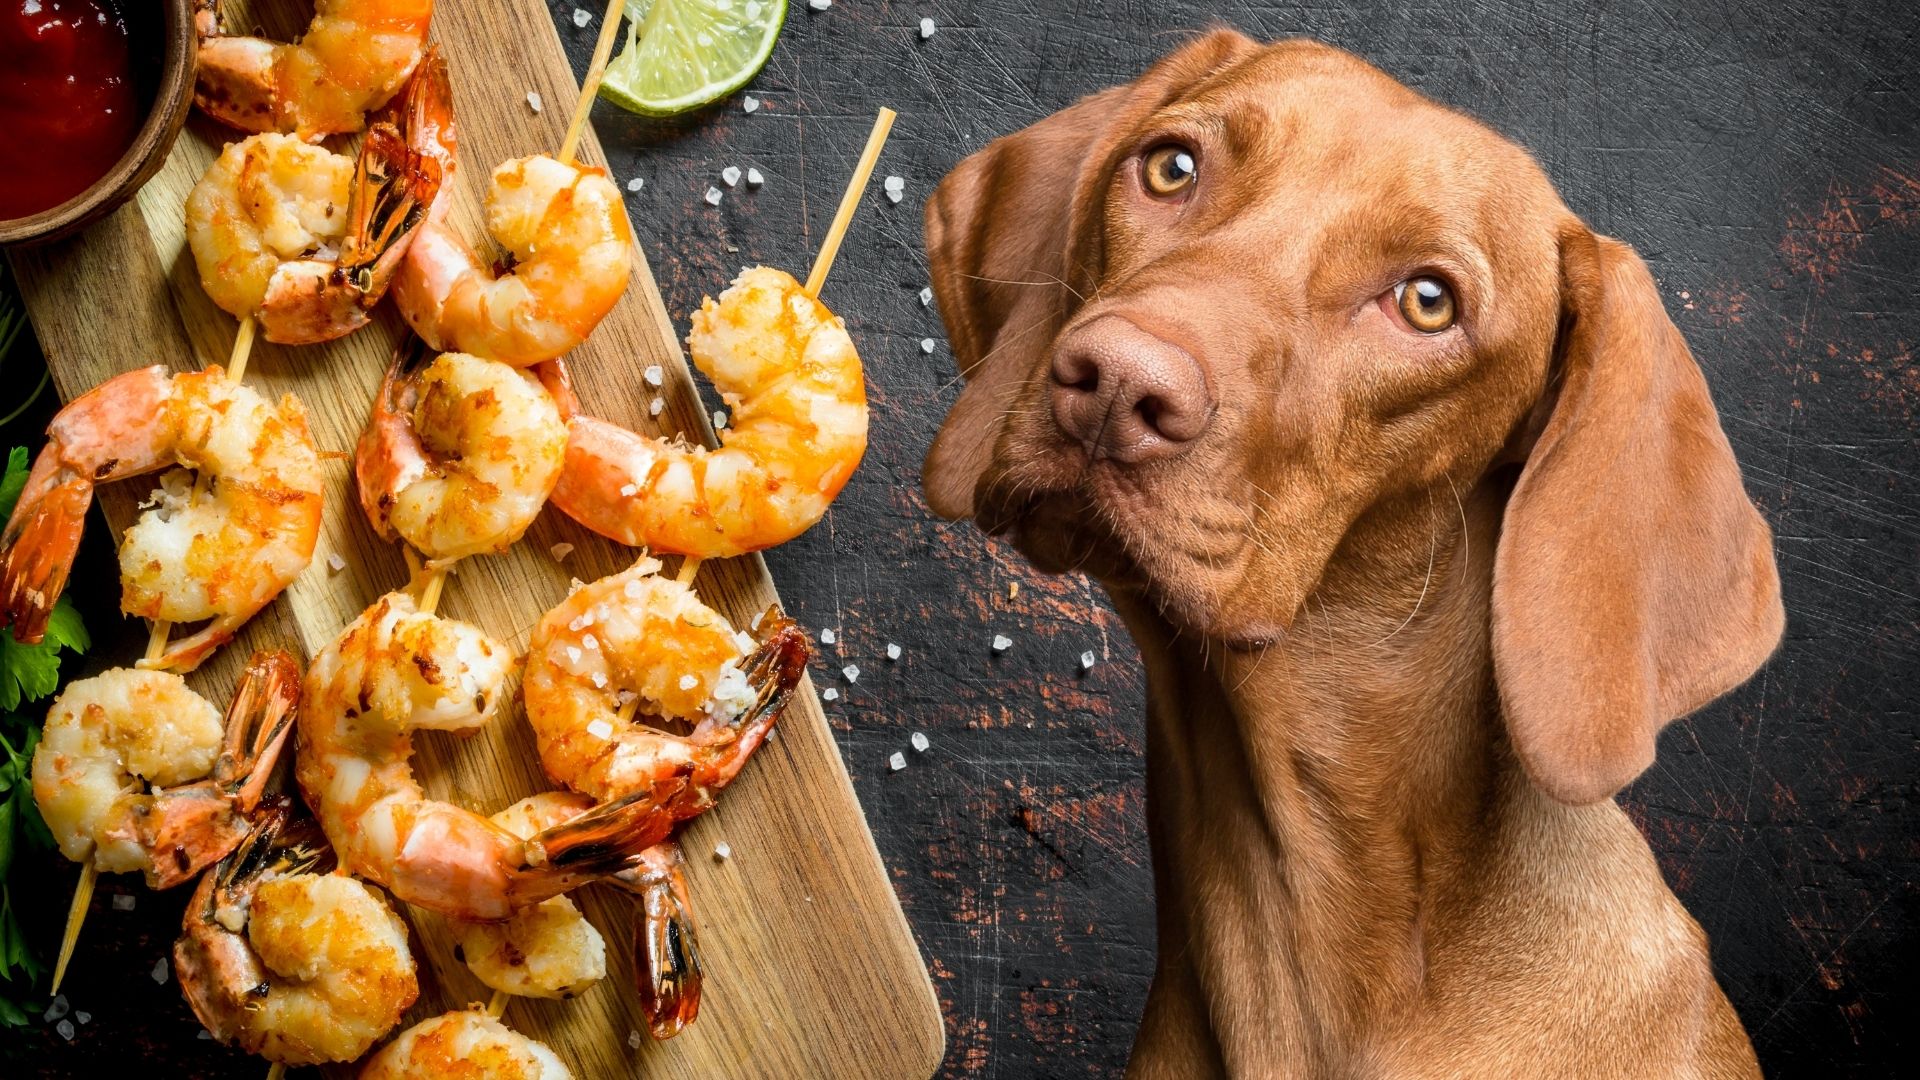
581 18
926 296
754 179
600 729
590 642
560 551
919 741
600 680
633 1039
827 636
636 183
713 196
719 420
83 1016
688 682
852 672
205 1035
533 100
722 852
335 562
926 344
926 28
743 641
896 188
1086 660
159 971
65 1028
752 104
819 5
897 762
629 490
123 902
574 653
56 1008
829 694
731 174
655 375
1001 643
893 651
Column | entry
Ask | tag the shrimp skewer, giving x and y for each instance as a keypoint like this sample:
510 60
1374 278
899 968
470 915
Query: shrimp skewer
467 1044
350 60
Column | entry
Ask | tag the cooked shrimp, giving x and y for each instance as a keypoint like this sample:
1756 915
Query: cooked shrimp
464 1046
395 670
307 240
787 368
350 61
221 556
108 737
458 457
636 633
567 234
291 962
666 953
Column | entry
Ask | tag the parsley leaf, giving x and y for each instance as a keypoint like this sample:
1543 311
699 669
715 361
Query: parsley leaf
31 672
14 481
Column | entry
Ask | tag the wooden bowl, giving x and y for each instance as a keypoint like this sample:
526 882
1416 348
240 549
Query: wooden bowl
166 112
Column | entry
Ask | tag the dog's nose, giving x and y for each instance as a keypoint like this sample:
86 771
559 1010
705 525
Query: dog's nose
1126 394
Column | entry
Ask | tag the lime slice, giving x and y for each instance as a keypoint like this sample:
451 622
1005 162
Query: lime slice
682 54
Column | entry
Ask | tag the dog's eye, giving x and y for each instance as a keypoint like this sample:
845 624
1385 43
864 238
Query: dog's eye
1426 303
1168 169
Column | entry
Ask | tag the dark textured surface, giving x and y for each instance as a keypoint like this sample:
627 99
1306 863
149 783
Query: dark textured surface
1764 158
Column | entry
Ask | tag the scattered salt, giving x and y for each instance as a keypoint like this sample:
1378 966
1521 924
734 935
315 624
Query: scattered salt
629 490
533 100
713 196
827 636
334 563
159 971
926 344
830 694
731 174
688 682
582 18
56 1008
752 104
600 680
1086 660
819 5
754 179
65 1028
600 729
205 1035
123 902
896 188
919 741
743 641
719 420
636 183
722 852
926 296
573 653
926 28
852 672
1001 643
893 651
633 1039
83 1016
898 761
655 375
654 407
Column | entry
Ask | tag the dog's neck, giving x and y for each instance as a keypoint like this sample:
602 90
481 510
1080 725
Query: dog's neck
1309 802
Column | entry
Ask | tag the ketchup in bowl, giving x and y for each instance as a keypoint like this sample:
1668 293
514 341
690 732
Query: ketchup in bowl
69 103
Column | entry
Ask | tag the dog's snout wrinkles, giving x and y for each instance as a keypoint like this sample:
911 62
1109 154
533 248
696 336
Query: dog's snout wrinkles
1126 394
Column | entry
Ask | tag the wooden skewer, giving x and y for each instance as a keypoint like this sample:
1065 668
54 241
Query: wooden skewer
849 202
277 1070
689 566
498 1005
589 86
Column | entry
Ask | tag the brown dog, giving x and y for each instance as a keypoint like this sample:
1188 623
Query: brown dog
1422 517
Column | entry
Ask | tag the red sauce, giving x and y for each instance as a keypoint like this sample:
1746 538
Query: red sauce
68 105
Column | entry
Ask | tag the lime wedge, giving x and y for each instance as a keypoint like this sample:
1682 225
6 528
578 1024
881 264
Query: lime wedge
682 54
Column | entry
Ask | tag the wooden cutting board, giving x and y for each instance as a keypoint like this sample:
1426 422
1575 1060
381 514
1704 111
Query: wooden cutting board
811 968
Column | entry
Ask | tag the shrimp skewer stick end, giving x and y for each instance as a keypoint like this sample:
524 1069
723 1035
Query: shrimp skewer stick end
590 86
869 157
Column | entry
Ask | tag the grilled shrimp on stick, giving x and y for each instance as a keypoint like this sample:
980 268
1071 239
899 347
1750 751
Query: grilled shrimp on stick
350 61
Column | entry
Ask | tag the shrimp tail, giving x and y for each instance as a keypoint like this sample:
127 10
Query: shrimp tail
41 540
667 969
600 843
258 722
236 79
389 456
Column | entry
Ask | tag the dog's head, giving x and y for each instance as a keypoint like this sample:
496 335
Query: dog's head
1212 318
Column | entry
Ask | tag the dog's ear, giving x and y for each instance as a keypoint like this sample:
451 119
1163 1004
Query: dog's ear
1634 581
1012 241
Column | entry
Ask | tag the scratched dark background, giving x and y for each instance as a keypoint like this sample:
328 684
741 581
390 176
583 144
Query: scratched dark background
1763 157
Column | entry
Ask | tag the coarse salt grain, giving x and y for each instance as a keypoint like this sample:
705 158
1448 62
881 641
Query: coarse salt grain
731 174
830 694
1086 660
633 1039
827 635
927 344
159 971
581 17
926 28
600 680
893 651
205 1035
719 420
852 672
819 5
743 641
655 375
65 1028
56 1008
688 682
83 1016
655 406
1001 643
926 296
600 729
574 653
754 179
895 183
752 104
919 741
722 851
897 762
629 490
533 100
335 562
123 902
713 196
636 183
